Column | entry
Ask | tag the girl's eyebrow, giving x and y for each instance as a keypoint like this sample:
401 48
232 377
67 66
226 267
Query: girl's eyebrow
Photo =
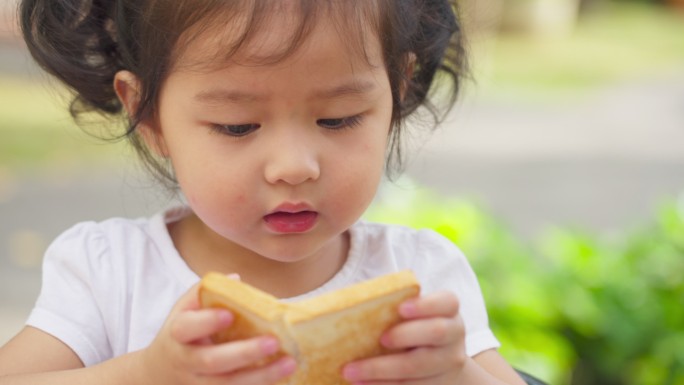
357 87
222 95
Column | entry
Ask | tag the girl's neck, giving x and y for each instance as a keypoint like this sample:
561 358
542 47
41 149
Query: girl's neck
204 251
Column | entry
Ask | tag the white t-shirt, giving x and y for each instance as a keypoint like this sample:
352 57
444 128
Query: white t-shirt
108 287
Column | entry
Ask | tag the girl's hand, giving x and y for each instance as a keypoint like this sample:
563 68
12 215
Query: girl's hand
182 352
430 344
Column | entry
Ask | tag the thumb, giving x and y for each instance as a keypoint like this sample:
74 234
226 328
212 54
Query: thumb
188 301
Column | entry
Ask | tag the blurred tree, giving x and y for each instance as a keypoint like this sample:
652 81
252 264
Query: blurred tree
588 6
540 18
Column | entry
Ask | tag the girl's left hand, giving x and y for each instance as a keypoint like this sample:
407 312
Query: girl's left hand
429 344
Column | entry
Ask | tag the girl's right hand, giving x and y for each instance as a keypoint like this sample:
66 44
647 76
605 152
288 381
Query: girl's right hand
182 352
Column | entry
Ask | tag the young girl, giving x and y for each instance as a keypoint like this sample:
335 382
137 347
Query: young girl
275 119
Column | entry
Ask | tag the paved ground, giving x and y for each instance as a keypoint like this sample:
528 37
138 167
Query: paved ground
603 162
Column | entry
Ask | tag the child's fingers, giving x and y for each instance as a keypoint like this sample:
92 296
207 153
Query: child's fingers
421 363
269 374
231 356
193 325
440 304
437 331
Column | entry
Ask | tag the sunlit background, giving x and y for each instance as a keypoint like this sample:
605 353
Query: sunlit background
559 172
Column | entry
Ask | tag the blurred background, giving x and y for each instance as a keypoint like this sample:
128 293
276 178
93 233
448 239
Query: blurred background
560 173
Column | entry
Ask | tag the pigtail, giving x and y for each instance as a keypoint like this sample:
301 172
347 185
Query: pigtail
437 46
426 61
74 40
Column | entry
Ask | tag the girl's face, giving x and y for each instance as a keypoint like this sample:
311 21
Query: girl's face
278 159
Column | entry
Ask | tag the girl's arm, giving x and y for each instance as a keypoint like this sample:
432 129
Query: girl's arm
493 363
49 354
180 354
36 357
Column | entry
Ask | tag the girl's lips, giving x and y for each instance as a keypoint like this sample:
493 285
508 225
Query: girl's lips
287 222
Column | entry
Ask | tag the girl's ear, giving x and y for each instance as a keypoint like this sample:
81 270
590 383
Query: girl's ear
410 67
127 88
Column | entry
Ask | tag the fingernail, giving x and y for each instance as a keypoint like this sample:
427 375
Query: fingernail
351 373
269 345
225 317
234 276
386 341
287 366
408 309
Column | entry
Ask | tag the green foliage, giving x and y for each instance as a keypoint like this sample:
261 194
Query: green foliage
573 308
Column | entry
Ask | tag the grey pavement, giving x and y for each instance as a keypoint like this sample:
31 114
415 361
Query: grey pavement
603 162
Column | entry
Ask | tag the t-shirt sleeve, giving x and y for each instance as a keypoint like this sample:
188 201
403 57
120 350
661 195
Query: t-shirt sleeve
442 266
67 307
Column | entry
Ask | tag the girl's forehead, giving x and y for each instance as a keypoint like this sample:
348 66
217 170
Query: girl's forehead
281 35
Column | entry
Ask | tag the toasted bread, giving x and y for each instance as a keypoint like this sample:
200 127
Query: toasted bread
322 333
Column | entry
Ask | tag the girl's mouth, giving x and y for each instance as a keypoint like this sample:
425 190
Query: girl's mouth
286 222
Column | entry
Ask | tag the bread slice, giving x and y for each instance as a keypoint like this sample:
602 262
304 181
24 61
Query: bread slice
322 333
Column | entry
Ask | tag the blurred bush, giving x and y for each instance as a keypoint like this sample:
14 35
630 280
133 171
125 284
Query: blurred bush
573 308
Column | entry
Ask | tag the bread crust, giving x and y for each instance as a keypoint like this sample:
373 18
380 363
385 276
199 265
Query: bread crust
322 333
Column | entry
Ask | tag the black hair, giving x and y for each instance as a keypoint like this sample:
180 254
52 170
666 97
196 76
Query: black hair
84 43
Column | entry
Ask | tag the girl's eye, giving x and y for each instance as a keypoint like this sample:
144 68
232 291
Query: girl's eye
236 130
340 123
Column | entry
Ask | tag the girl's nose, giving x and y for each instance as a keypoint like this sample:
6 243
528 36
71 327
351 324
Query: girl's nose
292 161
